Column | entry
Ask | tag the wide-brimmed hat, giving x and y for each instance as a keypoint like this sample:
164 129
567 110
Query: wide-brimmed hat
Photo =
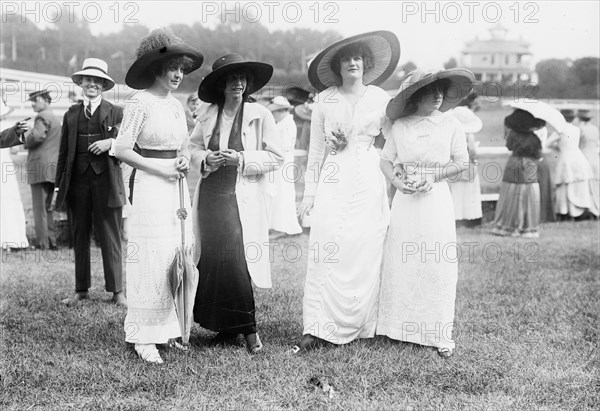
584 113
523 121
460 80
568 114
296 95
279 103
40 93
304 111
470 122
261 72
384 46
159 45
96 68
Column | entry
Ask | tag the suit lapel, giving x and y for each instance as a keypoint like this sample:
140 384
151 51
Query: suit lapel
73 119
104 111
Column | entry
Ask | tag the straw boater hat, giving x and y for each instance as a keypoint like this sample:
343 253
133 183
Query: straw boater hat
386 52
461 84
261 72
158 46
470 122
40 93
96 68
279 103
584 113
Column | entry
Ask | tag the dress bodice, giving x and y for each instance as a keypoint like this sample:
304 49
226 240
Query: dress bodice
154 123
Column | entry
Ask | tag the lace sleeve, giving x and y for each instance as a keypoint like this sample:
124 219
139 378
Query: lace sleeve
134 118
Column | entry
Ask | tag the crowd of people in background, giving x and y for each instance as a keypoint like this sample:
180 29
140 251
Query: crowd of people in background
115 165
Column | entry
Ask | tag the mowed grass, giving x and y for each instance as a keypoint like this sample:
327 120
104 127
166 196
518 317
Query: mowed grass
526 332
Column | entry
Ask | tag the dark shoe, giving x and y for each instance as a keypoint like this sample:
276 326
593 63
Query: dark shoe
119 299
253 343
228 338
78 296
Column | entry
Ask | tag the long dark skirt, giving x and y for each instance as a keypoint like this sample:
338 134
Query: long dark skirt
224 301
546 193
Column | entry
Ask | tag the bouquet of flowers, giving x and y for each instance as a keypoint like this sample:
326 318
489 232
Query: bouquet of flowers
336 141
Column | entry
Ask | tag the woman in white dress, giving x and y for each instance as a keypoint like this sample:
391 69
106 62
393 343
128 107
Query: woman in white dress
572 173
12 224
155 120
418 284
346 187
283 208
590 145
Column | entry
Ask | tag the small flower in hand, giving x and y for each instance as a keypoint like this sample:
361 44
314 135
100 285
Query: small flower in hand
337 141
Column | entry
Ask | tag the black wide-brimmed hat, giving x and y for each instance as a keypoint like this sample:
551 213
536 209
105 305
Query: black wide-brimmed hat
384 46
261 72
158 46
460 80
523 122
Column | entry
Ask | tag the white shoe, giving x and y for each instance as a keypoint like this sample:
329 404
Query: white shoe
148 353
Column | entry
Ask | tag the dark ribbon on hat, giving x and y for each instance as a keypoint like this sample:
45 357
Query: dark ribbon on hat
94 68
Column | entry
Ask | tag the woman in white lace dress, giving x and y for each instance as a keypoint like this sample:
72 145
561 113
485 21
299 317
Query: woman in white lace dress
155 121
346 187
418 281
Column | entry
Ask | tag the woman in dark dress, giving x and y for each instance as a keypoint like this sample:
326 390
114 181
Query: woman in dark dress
234 143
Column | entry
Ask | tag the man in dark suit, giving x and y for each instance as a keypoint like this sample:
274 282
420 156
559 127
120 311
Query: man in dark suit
90 181
42 143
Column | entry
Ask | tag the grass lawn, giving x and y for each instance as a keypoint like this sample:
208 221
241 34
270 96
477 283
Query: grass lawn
526 331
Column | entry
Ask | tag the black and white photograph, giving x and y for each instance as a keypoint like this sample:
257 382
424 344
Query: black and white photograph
285 205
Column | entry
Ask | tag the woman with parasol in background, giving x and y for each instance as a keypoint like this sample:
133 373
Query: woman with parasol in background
155 121
234 145
420 264
346 188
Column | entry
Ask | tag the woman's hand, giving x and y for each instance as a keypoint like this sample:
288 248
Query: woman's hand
232 157
183 164
306 206
402 186
171 171
215 159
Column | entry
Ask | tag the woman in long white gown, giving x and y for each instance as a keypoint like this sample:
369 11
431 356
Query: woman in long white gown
418 285
347 189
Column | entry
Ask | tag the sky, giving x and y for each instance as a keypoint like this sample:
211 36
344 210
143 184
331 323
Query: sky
430 32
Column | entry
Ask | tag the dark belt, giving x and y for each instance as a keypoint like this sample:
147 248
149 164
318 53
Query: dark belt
149 154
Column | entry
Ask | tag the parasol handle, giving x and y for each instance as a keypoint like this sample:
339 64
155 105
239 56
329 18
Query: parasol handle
182 213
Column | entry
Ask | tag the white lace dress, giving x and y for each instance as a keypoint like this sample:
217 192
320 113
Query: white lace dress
154 230
418 281
349 218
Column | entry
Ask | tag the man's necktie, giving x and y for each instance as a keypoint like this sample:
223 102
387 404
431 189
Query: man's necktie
88 111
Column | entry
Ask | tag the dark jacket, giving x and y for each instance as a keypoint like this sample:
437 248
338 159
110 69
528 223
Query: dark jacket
110 119
42 143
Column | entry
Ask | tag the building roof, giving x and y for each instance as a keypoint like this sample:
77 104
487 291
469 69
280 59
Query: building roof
496 46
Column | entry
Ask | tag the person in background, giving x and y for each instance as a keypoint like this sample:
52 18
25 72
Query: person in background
518 208
283 208
234 145
89 180
12 135
590 145
466 188
42 142
572 173
191 106
12 216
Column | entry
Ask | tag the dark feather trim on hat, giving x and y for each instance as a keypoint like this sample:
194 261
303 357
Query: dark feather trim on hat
157 39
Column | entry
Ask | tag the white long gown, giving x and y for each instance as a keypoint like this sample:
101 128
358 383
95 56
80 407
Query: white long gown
155 123
349 218
418 285
283 207
12 224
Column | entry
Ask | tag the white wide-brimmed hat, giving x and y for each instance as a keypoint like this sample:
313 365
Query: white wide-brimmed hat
384 46
279 103
96 68
461 83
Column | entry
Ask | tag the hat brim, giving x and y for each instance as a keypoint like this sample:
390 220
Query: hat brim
461 84
108 82
303 113
5 110
384 46
262 72
140 78
274 107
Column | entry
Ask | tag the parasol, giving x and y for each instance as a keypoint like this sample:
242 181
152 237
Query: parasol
183 277
543 111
